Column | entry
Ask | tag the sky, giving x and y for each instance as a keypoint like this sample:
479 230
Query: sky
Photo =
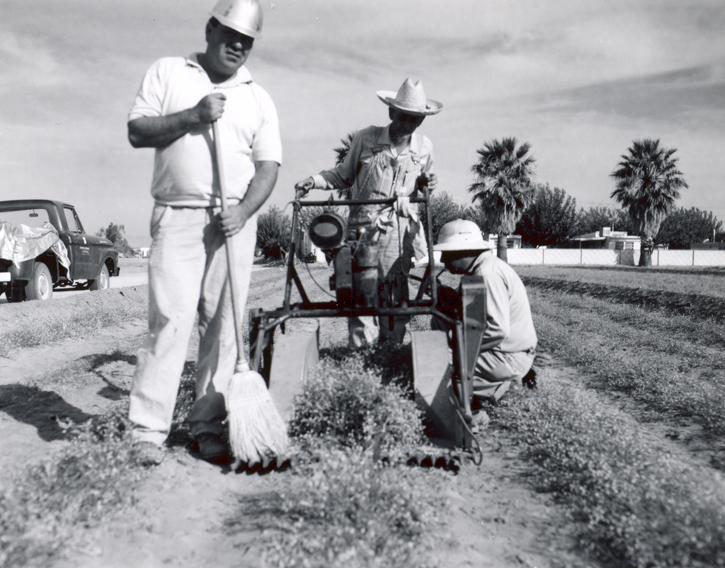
578 80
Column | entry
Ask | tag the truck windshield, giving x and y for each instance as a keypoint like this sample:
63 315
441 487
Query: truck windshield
35 218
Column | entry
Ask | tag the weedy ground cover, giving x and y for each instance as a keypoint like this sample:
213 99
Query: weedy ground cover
704 281
40 511
666 363
343 507
74 320
637 506
93 476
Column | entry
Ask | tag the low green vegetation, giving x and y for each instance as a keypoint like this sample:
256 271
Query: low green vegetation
704 281
92 477
40 511
345 402
76 320
637 506
672 368
343 506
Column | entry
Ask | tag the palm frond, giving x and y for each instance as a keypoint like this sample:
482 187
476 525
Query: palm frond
647 183
503 182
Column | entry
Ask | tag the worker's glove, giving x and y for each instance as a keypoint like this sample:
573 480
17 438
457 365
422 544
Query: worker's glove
529 380
303 187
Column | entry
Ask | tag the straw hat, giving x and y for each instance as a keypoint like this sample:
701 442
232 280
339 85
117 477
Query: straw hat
410 99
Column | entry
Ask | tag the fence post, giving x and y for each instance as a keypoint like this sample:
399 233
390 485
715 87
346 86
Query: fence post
581 256
693 257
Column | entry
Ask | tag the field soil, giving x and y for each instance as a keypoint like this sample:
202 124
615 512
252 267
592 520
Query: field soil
182 508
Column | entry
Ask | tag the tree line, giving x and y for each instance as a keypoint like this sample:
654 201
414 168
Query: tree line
507 200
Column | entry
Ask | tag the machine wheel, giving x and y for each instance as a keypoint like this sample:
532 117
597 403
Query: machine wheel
102 281
40 286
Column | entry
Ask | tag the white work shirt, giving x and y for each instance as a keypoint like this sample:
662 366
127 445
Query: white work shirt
509 325
248 130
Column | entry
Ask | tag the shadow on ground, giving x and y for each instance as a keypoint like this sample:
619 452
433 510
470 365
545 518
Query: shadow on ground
47 411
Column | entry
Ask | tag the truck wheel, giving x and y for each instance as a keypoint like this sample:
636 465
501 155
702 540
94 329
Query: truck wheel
102 281
40 286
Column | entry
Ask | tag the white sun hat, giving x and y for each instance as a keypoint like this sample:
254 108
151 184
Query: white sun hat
460 235
410 99
244 16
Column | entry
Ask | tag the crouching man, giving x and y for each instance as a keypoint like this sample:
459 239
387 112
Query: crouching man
509 340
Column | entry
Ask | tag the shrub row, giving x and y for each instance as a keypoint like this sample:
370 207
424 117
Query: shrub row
693 305
345 509
25 326
93 476
678 381
639 506
343 506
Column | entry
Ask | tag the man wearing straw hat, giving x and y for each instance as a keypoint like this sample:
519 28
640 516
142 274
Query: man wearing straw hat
385 162
179 99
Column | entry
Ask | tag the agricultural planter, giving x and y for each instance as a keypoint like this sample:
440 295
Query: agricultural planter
442 366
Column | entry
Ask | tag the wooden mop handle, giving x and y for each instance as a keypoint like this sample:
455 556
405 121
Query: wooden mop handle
241 362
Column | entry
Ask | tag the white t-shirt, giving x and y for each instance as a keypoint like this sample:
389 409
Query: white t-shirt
248 129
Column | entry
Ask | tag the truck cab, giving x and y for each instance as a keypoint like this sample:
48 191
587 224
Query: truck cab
75 258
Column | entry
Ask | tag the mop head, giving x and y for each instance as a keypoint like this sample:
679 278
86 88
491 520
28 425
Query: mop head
257 432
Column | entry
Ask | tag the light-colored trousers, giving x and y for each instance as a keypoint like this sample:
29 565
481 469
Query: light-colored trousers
393 269
365 330
188 275
495 370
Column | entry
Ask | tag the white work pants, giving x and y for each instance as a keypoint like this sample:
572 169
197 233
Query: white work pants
495 370
393 276
188 275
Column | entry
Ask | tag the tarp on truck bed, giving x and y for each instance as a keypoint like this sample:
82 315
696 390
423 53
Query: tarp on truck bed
19 242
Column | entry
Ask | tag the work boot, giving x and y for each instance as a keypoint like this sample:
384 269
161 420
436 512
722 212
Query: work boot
212 448
529 380
148 454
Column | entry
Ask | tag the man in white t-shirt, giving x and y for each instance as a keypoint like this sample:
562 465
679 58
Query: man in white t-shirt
173 112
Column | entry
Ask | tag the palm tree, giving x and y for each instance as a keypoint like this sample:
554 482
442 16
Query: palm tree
503 185
341 152
648 183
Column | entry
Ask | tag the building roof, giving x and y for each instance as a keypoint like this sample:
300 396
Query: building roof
606 233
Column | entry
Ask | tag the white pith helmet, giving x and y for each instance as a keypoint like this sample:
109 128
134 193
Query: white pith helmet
460 235
244 16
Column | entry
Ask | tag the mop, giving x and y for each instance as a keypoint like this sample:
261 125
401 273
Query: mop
257 433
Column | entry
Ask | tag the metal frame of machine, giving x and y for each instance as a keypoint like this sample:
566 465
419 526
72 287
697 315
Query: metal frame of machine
467 324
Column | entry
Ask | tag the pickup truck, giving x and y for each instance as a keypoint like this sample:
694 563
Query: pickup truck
43 246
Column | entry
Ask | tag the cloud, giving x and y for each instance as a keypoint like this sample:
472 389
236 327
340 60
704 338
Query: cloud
24 64
681 95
